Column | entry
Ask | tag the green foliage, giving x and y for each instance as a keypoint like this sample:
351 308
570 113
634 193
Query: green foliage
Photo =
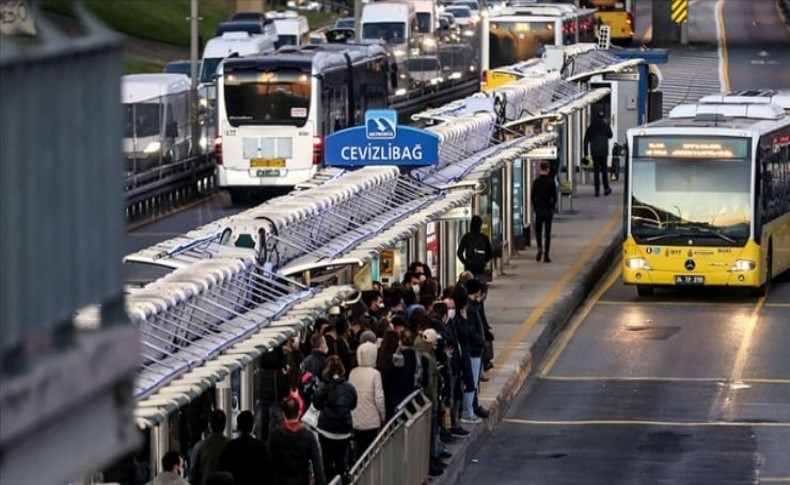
131 66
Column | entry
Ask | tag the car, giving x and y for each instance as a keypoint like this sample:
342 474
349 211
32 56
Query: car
254 16
344 23
463 15
424 71
181 66
252 27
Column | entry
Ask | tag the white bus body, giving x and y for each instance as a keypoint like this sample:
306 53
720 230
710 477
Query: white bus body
156 119
275 110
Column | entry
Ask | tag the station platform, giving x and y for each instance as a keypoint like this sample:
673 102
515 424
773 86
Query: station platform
532 301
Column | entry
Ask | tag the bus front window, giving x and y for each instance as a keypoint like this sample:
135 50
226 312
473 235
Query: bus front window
512 42
690 202
267 97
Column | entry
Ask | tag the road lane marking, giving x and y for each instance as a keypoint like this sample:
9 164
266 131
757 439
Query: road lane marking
743 352
668 303
717 380
641 422
724 57
156 218
533 318
774 480
570 331
746 343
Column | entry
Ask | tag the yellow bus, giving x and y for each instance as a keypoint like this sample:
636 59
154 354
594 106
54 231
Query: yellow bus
708 194
618 15
519 33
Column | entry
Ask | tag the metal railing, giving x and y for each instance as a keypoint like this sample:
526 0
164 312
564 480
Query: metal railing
400 455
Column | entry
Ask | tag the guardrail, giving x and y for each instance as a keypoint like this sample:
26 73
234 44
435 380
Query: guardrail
168 185
400 455
407 105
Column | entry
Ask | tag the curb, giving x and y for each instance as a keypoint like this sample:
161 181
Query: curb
556 318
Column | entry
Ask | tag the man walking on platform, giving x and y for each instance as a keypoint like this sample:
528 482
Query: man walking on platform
544 199
596 143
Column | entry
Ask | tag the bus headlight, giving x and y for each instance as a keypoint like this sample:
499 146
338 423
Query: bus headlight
743 265
637 263
153 147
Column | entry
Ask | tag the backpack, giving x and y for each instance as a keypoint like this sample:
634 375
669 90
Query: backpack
476 253
308 386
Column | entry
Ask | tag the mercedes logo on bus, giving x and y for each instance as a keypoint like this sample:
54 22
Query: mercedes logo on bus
689 265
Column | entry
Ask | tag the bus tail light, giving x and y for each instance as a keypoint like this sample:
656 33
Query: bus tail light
218 150
318 150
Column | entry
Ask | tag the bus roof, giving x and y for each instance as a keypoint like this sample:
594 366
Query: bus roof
721 118
386 12
315 60
137 88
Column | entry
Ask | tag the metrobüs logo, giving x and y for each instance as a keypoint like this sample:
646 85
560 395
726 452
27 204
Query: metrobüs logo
381 124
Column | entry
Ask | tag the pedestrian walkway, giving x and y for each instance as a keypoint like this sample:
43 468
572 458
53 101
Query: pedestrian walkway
532 301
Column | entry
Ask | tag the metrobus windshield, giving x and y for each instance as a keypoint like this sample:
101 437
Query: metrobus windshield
699 199
279 96
510 42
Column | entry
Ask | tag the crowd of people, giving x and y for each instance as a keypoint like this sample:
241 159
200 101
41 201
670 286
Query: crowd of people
323 400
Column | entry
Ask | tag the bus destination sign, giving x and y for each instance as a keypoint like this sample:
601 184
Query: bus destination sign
710 148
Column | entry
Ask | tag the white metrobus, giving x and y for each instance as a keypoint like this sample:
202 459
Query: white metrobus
516 34
276 109
708 194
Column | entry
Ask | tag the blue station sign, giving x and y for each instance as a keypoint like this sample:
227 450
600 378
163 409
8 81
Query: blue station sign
381 142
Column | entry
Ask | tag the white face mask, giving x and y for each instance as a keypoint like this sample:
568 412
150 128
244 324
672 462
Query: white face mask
381 304
416 289
450 313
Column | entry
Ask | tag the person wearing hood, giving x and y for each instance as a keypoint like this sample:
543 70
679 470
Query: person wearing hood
369 414
293 448
474 249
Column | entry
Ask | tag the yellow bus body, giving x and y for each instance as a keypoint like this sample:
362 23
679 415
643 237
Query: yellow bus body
619 21
714 264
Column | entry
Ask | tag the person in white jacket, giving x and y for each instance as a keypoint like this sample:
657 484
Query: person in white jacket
368 416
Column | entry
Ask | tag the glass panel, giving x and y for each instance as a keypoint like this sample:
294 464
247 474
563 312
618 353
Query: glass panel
691 203
390 32
511 42
269 97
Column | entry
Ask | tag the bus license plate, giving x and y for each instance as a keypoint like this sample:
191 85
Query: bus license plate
689 280
267 173
267 163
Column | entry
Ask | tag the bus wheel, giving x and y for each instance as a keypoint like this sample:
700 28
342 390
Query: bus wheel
769 272
644 290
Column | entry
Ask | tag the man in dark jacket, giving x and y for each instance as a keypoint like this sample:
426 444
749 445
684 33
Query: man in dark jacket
544 199
205 455
293 448
476 338
474 249
246 457
596 143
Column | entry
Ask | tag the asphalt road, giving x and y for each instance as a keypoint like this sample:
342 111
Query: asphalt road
680 388
676 389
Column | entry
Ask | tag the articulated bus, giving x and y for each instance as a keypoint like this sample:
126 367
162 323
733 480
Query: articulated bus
519 33
275 110
618 15
708 194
